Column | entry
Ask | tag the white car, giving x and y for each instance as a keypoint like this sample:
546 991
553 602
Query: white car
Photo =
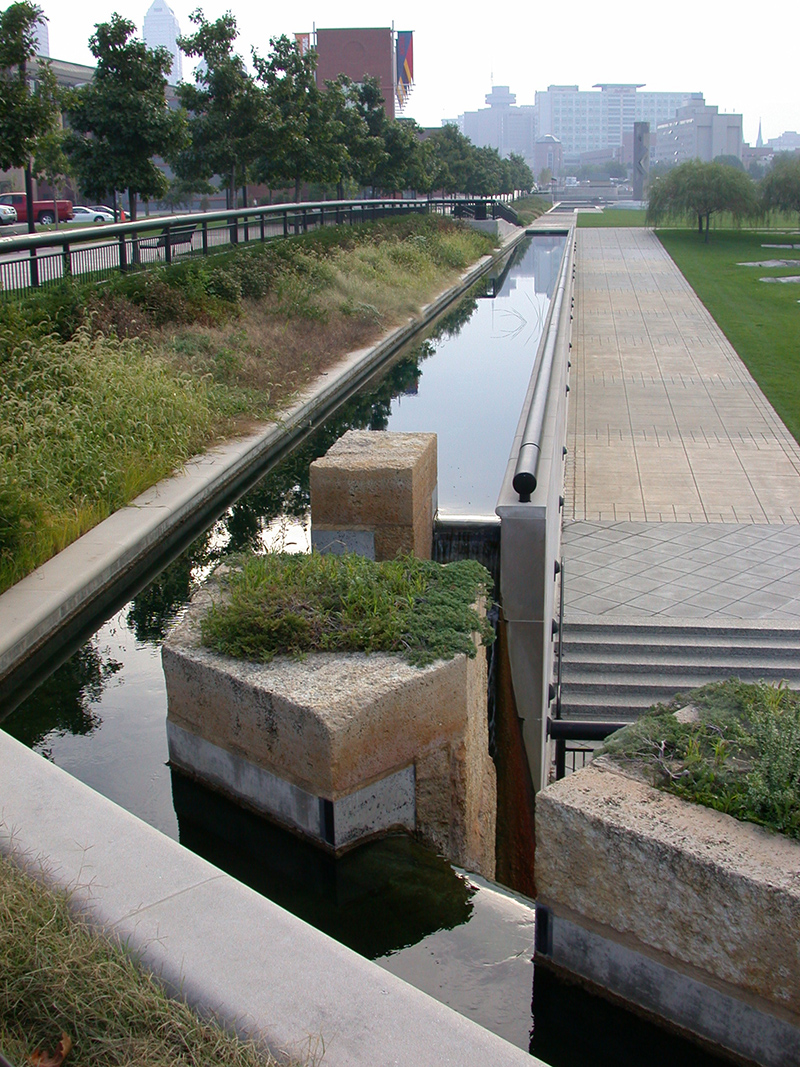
87 216
8 215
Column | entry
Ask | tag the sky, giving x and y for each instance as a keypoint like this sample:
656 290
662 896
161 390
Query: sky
681 46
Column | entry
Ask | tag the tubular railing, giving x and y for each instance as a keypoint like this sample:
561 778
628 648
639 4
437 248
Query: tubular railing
30 261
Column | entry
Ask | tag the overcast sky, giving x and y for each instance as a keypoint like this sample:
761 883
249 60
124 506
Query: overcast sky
742 59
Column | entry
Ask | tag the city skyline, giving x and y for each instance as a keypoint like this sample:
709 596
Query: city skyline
456 63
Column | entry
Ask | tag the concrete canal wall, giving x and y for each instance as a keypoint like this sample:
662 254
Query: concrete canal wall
223 947
679 909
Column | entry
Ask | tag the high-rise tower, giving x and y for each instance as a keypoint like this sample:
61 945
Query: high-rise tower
161 29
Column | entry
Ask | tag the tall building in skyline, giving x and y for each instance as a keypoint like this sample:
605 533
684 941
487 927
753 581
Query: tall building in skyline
161 29
589 120
502 125
42 39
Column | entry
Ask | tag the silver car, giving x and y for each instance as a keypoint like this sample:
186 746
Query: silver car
8 215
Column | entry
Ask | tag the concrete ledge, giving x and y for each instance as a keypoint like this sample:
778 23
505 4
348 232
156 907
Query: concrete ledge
220 945
639 882
64 590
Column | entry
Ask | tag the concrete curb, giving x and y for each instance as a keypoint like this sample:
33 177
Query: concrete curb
50 605
221 946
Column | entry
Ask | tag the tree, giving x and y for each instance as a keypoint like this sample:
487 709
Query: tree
25 115
52 164
701 190
227 110
730 161
780 189
303 141
359 110
121 120
520 175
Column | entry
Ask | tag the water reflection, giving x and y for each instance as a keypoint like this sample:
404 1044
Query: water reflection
66 702
381 897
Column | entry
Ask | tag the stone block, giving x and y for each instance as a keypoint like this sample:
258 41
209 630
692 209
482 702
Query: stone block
288 736
665 883
379 483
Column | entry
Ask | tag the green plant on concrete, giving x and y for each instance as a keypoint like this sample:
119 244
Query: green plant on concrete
60 976
738 751
293 604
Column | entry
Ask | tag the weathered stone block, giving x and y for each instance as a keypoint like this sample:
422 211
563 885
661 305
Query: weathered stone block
290 734
384 483
668 883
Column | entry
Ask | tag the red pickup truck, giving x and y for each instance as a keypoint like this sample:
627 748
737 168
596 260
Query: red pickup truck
43 210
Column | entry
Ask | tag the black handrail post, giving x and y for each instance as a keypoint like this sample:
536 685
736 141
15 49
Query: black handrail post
286 224
205 237
67 260
123 254
234 230
261 223
168 243
34 262
305 221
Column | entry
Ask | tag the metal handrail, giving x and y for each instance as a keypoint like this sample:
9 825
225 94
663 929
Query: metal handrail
524 481
346 208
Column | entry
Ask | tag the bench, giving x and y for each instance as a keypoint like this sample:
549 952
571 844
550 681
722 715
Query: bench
177 235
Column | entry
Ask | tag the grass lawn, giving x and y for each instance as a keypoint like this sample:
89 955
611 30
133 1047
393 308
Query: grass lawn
617 216
761 320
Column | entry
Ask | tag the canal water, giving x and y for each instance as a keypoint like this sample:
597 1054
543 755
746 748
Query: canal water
102 715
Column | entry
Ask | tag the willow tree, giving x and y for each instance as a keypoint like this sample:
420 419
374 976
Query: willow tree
701 190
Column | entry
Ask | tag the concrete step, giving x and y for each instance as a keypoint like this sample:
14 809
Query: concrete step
671 661
648 630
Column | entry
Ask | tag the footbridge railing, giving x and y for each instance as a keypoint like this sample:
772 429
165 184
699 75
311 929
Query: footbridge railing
530 510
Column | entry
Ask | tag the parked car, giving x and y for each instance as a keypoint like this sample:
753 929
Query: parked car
8 215
43 210
87 216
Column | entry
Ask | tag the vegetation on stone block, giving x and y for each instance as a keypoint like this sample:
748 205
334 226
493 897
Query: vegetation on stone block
294 604
734 747
61 977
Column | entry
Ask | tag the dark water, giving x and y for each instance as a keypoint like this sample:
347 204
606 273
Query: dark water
102 715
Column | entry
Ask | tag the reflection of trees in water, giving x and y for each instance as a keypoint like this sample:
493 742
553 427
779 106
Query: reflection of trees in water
283 491
452 323
63 702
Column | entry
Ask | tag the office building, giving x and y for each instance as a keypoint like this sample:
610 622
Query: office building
698 131
502 125
162 30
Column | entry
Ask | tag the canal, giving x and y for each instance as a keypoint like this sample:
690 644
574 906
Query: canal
102 715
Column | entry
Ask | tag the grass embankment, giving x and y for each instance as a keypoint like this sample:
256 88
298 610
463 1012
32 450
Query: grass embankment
58 976
760 319
293 604
739 752
531 207
107 387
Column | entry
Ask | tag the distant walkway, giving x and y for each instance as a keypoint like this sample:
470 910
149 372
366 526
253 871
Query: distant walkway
666 423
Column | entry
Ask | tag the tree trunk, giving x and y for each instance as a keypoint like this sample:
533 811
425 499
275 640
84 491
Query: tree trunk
297 190
55 205
699 223
29 197
708 223
244 196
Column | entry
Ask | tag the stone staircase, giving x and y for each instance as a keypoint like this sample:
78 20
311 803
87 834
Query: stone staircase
616 670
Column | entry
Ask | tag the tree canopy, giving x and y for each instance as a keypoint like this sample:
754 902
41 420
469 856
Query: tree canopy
26 114
120 120
227 110
701 190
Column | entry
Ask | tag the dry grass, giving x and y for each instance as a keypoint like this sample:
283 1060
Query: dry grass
57 975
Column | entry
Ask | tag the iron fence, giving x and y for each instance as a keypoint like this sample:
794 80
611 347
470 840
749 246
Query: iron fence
32 261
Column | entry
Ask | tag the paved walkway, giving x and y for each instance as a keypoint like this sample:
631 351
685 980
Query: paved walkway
666 424
683 485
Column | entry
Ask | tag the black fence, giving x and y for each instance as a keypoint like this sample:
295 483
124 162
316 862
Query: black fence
32 261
